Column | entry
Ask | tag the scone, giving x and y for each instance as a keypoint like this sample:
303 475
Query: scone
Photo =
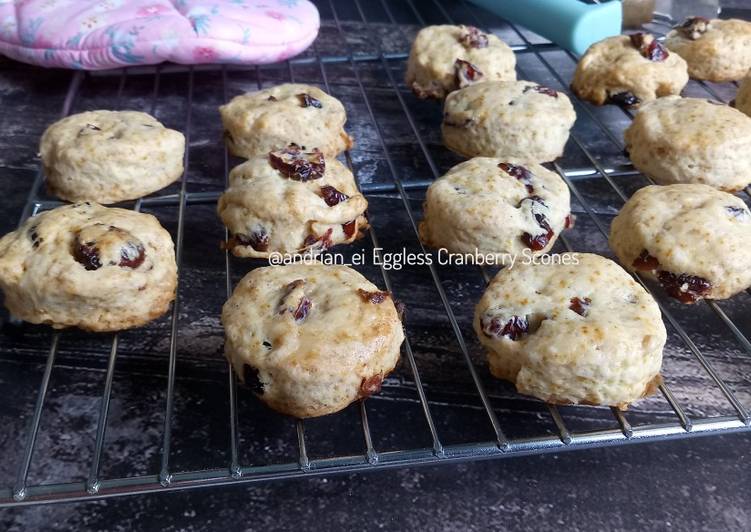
507 119
692 238
577 330
309 338
715 50
291 201
90 267
628 70
691 140
446 58
495 207
110 156
637 12
742 100
256 123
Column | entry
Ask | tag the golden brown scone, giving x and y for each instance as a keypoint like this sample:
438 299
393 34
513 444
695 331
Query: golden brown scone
256 123
691 140
507 119
110 156
715 50
310 338
575 330
446 58
290 202
628 70
496 208
692 238
89 267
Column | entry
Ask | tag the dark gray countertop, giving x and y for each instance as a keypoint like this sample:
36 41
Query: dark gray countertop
698 484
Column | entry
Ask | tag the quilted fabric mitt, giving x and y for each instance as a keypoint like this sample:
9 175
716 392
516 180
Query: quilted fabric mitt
100 34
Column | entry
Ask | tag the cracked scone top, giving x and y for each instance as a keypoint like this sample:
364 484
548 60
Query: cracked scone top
256 123
494 206
692 238
88 266
291 201
715 50
578 330
311 338
691 140
110 156
628 70
508 119
445 58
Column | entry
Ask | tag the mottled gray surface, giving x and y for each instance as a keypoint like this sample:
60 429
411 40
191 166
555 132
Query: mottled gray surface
689 485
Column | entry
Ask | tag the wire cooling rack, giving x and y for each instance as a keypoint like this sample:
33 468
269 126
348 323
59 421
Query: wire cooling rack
159 409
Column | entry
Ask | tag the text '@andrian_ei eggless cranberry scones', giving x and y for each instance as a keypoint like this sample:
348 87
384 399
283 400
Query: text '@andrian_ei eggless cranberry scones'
90 267
495 207
110 156
715 50
446 58
691 140
310 338
692 238
628 70
291 201
507 119
575 330
256 123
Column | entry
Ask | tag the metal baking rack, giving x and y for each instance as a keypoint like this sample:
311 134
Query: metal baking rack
374 70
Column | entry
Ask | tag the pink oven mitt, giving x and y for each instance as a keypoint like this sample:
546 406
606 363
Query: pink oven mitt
99 34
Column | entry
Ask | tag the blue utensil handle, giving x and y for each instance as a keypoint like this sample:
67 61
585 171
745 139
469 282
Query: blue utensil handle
571 24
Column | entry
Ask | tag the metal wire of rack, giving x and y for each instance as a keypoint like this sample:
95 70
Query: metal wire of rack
621 428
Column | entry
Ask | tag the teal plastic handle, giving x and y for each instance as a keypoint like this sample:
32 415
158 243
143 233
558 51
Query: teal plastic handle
570 24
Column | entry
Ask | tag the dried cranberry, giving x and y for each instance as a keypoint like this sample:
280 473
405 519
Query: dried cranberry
625 99
519 172
495 327
33 232
645 262
580 306
537 242
132 255
271 98
683 287
542 90
252 379
258 240
349 228
296 164
466 73
87 254
324 241
737 212
375 297
656 51
301 312
332 196
693 27
306 100
474 38
371 385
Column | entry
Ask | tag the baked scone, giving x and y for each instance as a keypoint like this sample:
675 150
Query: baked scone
494 207
691 140
256 123
446 58
742 100
507 119
310 338
692 238
637 12
291 201
715 50
90 267
628 70
110 156
575 330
